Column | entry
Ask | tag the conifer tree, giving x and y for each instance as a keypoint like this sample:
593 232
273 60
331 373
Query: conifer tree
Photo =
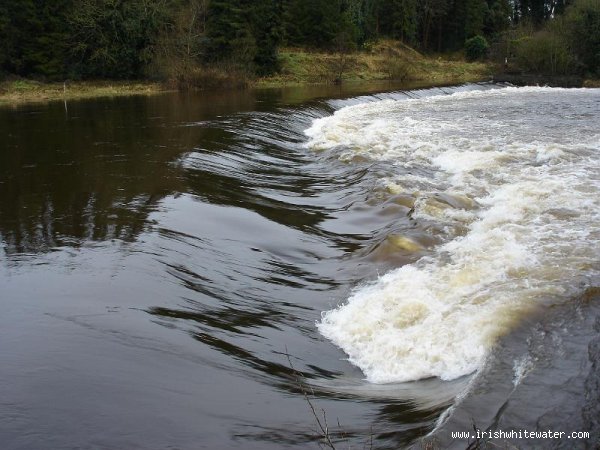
266 26
475 12
405 20
314 23
497 17
114 38
33 37
228 32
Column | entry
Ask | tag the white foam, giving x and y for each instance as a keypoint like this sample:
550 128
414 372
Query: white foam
521 367
441 316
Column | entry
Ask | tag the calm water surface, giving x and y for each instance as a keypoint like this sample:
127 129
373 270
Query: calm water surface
166 259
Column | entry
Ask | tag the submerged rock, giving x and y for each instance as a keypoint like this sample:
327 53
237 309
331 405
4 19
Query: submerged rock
591 409
543 378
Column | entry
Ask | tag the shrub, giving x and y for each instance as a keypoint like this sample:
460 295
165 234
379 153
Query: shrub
583 30
399 69
207 77
476 48
545 52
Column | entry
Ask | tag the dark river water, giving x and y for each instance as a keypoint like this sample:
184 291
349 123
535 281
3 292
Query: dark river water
177 271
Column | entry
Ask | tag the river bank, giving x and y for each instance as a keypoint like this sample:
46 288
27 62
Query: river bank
385 61
27 91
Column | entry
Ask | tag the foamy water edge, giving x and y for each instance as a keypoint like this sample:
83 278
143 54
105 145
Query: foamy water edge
529 240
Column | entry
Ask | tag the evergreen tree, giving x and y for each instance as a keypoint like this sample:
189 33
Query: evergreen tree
497 19
404 15
432 14
371 19
33 37
266 26
538 10
114 38
314 23
228 32
558 6
118 38
245 33
454 25
354 12
583 21
475 13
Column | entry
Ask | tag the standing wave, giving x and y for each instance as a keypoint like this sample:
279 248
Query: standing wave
524 165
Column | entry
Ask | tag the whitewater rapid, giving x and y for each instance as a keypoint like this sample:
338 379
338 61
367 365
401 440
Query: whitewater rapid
511 177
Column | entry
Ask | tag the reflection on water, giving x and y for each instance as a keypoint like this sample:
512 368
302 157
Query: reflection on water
161 258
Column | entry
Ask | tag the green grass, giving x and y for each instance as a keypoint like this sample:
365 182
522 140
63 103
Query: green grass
20 91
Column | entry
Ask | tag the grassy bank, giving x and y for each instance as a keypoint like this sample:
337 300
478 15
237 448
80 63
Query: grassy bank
21 91
592 83
385 60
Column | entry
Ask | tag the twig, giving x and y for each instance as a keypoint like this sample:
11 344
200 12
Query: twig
323 427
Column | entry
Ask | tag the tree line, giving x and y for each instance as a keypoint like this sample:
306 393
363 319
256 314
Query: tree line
121 39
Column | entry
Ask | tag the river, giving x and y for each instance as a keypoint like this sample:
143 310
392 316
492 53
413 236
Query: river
200 271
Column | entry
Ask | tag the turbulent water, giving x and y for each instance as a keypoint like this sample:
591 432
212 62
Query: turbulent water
511 179
177 269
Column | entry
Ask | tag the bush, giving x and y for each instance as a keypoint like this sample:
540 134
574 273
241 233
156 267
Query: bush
545 52
476 48
583 29
215 76
399 69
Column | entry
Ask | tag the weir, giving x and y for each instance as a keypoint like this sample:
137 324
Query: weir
162 257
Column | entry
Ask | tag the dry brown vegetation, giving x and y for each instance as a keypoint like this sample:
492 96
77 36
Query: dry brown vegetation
384 60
